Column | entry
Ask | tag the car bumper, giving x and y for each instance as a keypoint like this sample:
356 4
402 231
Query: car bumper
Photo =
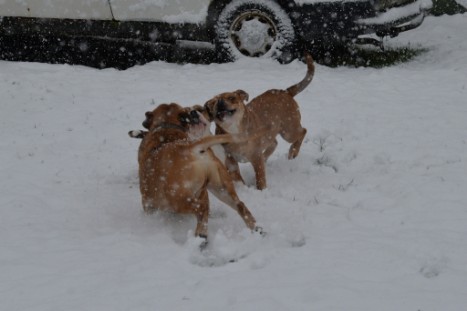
396 20
330 22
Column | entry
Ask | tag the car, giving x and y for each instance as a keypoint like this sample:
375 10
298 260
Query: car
278 29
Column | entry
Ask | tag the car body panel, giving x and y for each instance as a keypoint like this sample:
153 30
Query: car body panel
395 14
65 9
185 11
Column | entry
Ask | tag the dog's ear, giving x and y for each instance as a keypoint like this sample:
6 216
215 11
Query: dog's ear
198 108
149 117
209 106
243 95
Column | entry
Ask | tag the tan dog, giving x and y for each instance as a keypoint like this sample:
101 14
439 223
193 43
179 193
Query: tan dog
275 112
177 167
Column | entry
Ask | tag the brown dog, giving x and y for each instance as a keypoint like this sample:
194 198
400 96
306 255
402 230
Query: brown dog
177 167
275 112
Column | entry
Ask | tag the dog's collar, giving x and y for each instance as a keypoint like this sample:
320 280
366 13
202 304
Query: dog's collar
164 126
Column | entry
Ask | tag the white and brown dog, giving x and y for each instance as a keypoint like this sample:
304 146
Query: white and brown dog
274 112
218 150
177 166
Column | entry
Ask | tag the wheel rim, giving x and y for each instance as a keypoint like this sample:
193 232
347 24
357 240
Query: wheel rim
253 33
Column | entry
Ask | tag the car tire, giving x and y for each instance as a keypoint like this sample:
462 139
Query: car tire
255 29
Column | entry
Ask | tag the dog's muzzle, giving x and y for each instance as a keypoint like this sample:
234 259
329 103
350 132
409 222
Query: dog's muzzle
190 118
223 111
194 117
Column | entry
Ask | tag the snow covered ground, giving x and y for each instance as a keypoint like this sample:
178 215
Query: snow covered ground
372 215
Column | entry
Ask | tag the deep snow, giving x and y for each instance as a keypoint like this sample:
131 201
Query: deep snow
372 215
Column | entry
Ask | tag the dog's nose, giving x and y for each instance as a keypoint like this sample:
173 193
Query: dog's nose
194 116
221 105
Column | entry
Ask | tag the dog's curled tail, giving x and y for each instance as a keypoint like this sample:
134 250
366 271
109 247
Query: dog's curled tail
137 133
300 86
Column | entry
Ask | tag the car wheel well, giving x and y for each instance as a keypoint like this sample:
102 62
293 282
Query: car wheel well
245 28
216 7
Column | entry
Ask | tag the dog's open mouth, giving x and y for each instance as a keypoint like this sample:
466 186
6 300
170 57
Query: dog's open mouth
221 114
223 111
197 126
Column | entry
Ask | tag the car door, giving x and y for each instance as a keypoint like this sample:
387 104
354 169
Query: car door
169 11
73 9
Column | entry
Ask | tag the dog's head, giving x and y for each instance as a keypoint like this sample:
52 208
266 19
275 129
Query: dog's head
174 116
227 109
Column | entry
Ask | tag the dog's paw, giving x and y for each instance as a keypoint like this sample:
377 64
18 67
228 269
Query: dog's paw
203 242
260 231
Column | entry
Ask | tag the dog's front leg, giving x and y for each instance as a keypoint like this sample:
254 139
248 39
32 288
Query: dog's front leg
233 169
202 225
269 150
260 171
201 211
221 185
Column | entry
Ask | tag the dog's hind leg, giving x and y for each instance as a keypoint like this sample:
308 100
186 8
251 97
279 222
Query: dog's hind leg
296 140
259 166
